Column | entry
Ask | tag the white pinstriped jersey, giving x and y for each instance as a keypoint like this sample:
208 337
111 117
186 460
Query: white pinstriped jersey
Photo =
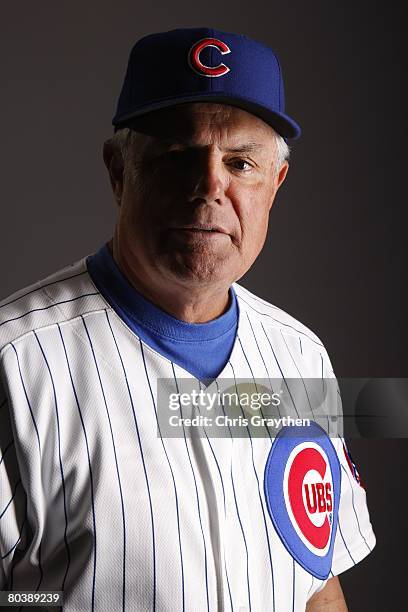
93 502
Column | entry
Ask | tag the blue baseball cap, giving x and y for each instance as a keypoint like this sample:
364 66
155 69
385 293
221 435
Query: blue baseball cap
204 65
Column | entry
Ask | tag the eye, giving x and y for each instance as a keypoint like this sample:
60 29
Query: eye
241 164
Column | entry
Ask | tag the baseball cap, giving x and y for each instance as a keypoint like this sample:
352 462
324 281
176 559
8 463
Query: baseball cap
204 65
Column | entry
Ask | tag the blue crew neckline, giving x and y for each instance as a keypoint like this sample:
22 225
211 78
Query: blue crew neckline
122 296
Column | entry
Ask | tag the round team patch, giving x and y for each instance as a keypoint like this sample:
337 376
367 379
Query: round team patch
302 489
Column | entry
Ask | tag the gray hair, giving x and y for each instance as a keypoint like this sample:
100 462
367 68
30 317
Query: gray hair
282 149
123 138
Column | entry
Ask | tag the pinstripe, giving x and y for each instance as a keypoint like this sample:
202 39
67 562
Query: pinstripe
299 372
263 360
89 467
223 494
116 463
259 495
9 445
11 499
60 280
280 370
265 314
79 297
228 585
142 457
253 378
39 449
324 392
22 550
344 541
245 542
197 497
247 360
256 299
40 567
239 518
19 538
212 451
26 396
171 471
60 462
10 587
300 344
321 359
354 508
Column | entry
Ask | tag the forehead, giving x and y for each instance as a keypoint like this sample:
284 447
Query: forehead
199 119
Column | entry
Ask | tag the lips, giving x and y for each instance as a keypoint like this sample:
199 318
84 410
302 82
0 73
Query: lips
201 227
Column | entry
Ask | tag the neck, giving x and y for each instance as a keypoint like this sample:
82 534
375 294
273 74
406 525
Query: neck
190 304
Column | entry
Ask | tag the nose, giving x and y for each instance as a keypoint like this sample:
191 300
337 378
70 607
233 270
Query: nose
210 179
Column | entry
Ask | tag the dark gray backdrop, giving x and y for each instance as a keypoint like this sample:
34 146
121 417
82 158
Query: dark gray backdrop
335 256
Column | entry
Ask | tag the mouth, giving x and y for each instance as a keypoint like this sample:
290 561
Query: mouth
201 228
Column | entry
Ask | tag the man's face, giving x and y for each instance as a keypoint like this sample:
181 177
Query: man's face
196 192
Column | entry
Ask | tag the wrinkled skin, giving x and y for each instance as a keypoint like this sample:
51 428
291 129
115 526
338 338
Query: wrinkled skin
194 200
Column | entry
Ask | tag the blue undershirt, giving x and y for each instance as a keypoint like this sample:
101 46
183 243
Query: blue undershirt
202 349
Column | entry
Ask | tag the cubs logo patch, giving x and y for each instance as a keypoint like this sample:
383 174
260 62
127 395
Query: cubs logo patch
302 490
202 69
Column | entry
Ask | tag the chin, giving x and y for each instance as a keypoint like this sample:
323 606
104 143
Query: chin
195 271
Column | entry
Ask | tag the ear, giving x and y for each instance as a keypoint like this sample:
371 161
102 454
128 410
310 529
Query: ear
279 178
114 164
282 174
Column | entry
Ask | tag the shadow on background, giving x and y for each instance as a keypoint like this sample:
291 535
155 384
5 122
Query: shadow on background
378 582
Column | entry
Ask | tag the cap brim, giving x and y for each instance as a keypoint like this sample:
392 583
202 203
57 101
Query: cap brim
281 123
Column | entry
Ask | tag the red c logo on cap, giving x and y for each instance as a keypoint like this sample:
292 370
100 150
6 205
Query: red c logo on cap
197 65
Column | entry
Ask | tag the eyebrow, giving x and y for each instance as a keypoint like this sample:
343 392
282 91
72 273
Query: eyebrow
247 147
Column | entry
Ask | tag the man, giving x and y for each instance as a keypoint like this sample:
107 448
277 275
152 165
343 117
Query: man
96 500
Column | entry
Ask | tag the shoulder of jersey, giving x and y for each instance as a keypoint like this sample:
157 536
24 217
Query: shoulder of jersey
273 317
62 296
